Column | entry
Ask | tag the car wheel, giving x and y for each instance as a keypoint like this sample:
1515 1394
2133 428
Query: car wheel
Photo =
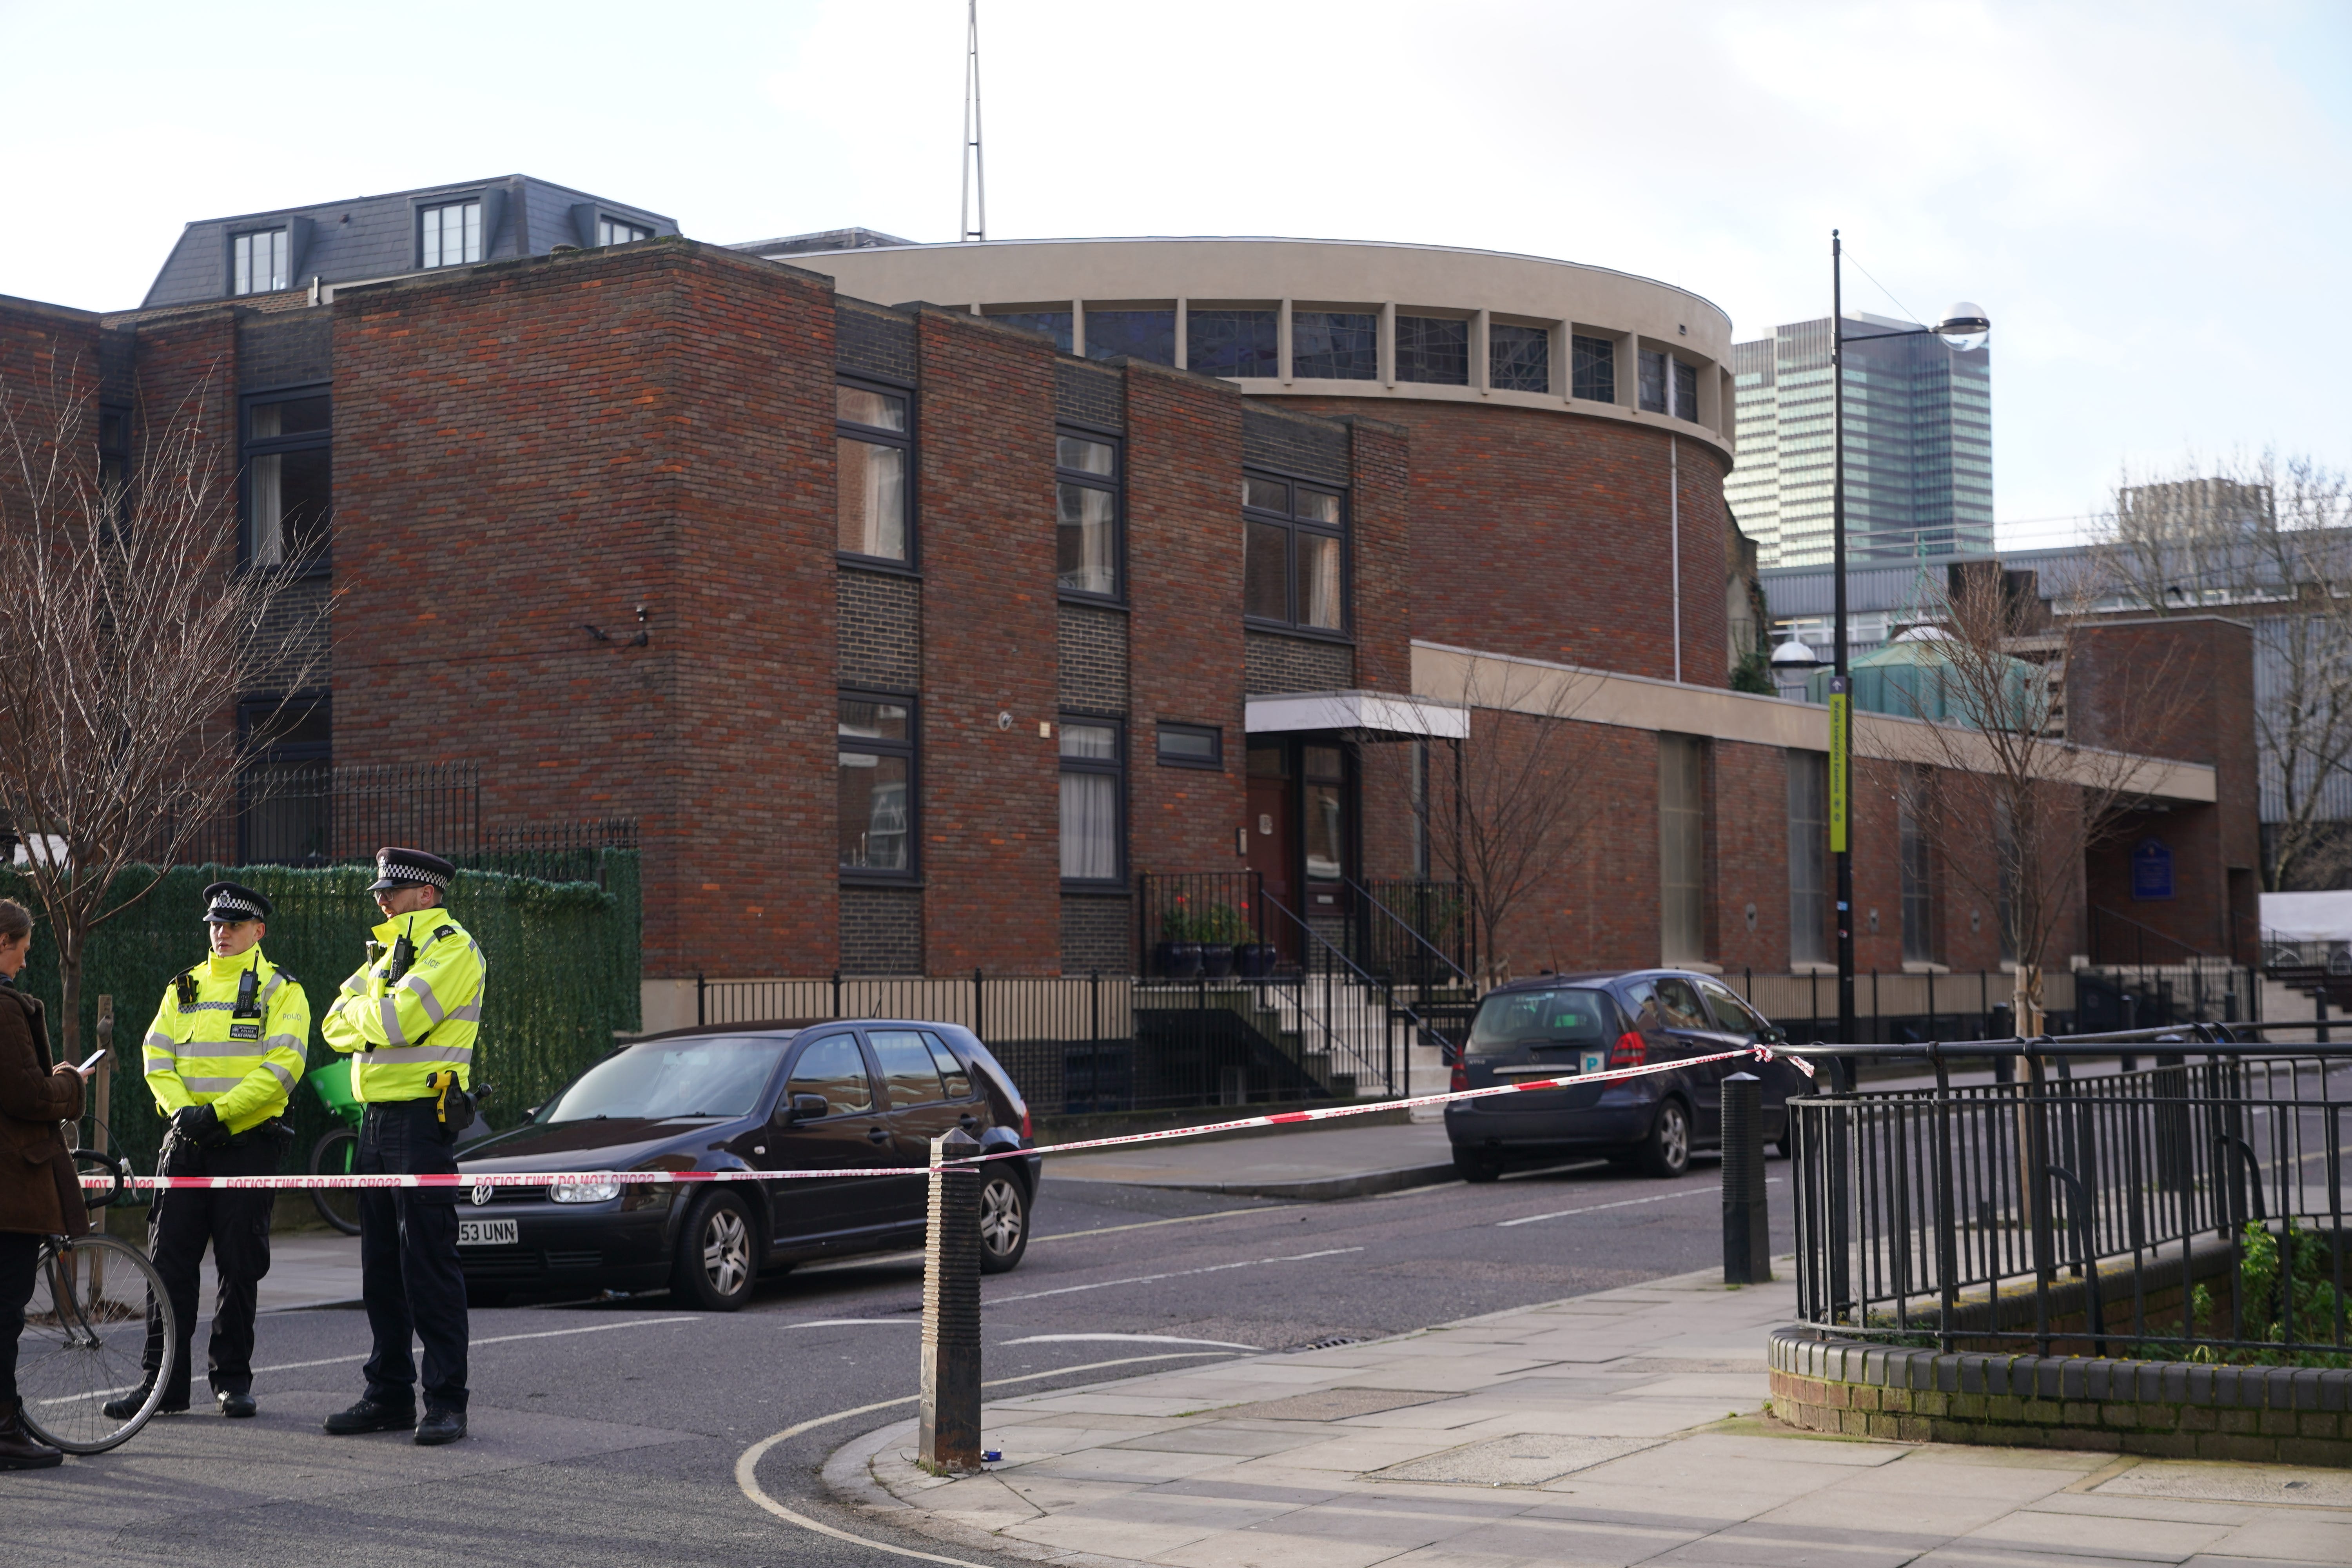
1004 1223
1667 1152
717 1254
1786 1144
1477 1168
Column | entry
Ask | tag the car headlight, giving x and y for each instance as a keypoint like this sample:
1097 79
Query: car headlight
584 1192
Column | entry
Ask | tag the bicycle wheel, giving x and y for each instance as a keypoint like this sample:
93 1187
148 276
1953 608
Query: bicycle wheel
337 1155
84 1330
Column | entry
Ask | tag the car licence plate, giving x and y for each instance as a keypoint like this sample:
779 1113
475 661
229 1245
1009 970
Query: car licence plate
487 1232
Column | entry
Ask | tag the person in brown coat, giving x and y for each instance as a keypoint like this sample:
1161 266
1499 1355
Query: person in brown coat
40 1194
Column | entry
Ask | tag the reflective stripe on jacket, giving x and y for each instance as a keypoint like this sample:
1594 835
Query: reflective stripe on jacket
201 1053
396 1033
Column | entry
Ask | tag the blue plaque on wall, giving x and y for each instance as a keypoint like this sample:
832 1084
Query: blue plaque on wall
2151 870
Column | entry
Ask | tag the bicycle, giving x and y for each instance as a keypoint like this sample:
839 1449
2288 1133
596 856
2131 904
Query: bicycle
86 1333
337 1151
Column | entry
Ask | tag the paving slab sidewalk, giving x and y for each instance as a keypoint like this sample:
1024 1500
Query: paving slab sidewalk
1315 1164
1615 1428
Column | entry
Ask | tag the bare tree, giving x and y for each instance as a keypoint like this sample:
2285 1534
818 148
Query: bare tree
2270 539
128 631
2009 772
1509 814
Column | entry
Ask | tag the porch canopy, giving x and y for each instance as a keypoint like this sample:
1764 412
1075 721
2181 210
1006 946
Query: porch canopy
1366 716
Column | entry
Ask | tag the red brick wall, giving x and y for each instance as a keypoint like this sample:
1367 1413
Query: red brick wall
1547 535
1184 582
984 510
48 378
542 444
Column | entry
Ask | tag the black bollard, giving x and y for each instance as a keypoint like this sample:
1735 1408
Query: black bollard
1747 1220
950 1387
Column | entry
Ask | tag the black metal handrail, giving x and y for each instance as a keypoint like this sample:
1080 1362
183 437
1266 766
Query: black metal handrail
1372 908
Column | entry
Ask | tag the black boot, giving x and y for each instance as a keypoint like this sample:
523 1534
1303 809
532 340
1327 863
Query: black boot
235 1401
124 1408
440 1427
368 1415
19 1449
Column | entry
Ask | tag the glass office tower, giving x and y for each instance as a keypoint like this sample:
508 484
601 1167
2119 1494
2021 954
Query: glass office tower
1918 444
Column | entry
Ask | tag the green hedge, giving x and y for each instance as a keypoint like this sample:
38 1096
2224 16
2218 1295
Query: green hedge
563 957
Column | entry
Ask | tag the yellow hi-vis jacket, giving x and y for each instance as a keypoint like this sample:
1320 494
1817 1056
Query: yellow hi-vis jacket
200 1053
400 1032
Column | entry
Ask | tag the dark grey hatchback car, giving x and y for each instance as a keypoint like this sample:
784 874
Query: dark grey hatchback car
1559 1025
833 1097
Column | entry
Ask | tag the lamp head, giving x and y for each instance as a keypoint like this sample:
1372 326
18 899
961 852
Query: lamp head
1965 326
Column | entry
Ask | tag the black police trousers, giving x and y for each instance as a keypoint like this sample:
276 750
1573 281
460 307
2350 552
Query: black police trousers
408 1258
236 1225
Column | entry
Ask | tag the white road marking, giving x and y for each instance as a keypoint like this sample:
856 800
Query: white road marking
1133 1339
1171 1274
848 1323
1620 1203
343 1360
1148 1223
747 1466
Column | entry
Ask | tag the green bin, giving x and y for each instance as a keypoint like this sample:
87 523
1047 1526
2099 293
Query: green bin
333 1084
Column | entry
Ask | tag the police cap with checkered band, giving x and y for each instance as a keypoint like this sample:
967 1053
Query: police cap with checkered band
225 903
397 869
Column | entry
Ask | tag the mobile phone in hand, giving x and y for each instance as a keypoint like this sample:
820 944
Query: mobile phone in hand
94 1056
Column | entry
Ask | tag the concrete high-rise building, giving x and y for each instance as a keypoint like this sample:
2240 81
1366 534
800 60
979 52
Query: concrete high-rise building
1918 444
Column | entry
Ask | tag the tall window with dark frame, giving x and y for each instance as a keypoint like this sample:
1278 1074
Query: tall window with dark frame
1808 840
1294 567
259 262
449 235
1682 848
1086 526
1593 370
1094 778
620 231
1914 858
1132 334
284 787
875 439
1243 343
288 478
1323 797
1053 324
875 748
1433 350
1518 359
1669 386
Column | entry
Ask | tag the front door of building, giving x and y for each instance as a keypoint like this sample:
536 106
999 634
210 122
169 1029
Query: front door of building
1274 838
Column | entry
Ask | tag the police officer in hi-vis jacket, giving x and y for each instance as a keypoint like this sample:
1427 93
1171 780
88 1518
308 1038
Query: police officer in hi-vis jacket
225 1049
407 1019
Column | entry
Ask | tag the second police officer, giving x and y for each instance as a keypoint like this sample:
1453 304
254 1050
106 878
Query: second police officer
225 1049
408 1018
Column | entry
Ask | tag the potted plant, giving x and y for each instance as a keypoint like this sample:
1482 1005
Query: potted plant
1253 958
1178 955
1218 930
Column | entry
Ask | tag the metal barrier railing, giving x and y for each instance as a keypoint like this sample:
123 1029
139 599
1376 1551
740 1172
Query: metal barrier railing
2192 1209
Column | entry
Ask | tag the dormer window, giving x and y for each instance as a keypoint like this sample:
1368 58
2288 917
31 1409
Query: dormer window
618 231
451 235
260 262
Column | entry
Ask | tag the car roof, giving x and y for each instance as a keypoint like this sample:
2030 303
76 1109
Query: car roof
788 1027
1590 977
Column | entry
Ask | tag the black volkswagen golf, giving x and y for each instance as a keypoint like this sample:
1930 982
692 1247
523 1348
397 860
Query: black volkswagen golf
1559 1025
743 1097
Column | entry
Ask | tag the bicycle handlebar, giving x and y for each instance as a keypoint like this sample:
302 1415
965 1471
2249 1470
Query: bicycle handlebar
116 1166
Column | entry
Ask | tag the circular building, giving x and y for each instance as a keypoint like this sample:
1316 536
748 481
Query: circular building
1570 425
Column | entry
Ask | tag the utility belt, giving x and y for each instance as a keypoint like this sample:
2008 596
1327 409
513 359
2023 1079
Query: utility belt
452 1105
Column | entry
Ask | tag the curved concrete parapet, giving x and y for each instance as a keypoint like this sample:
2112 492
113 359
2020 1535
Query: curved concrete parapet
2298 1416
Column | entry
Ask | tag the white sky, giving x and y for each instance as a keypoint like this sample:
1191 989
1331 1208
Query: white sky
2151 200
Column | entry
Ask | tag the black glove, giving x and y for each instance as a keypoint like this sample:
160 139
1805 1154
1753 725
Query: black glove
199 1125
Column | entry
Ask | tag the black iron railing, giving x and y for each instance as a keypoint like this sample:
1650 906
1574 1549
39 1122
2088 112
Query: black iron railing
1415 933
2190 1210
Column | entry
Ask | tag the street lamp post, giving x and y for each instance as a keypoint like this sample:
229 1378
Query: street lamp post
1962 323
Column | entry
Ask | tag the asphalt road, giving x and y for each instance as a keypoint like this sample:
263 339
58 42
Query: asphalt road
609 1432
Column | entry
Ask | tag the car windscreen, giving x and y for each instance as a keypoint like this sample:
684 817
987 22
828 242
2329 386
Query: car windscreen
714 1076
1508 1019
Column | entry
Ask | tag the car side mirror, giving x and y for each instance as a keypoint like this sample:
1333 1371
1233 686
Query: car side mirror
804 1108
532 1115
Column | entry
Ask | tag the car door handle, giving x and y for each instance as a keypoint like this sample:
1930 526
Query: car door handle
968 1122
877 1135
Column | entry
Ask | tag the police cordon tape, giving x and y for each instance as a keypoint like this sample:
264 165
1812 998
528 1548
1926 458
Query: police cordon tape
465 1179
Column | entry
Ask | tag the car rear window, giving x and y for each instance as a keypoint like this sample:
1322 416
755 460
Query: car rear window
1565 1016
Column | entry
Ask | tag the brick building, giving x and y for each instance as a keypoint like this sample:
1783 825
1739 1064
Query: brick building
914 634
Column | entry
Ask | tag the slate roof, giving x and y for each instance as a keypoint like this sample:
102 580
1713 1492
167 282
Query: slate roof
363 237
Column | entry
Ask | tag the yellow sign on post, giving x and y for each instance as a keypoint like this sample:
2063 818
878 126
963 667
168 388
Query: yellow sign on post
1841 716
